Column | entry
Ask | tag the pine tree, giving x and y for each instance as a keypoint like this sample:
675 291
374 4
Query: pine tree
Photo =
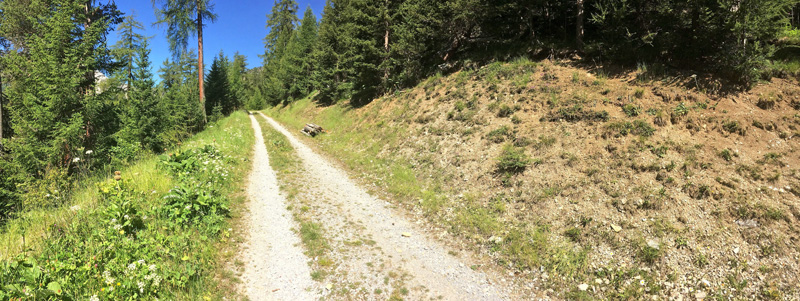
298 61
236 80
52 99
329 77
281 25
144 118
218 90
183 18
125 49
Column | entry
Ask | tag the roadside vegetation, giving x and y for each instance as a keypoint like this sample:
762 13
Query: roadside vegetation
156 229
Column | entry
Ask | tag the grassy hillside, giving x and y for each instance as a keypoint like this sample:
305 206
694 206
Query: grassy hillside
157 229
632 184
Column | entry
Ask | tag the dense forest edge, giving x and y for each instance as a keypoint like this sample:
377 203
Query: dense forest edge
74 109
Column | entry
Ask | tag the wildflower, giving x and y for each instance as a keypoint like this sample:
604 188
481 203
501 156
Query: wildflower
140 261
117 227
89 152
141 287
94 298
107 277
144 217
132 266
127 217
113 220
152 268
642 282
76 160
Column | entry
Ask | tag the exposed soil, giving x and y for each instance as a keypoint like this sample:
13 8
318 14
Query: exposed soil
275 267
668 190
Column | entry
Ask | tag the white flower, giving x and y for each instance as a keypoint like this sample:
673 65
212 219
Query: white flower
132 266
188 206
75 208
144 217
76 160
127 217
108 278
140 261
152 268
117 227
94 298
113 220
642 282
89 152
141 287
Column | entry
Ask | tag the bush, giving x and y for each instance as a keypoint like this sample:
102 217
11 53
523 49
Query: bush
499 135
513 159
577 113
631 110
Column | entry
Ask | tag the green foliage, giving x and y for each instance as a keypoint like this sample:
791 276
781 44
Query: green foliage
217 88
631 110
513 159
638 127
499 135
126 249
60 54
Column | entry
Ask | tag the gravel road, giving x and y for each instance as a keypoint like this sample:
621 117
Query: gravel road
403 244
275 267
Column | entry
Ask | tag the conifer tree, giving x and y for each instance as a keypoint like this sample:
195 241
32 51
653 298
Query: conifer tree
144 118
184 18
52 100
298 60
236 80
218 89
330 77
125 49
281 25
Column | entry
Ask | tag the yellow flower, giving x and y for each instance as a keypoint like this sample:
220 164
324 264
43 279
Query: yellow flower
117 283
103 289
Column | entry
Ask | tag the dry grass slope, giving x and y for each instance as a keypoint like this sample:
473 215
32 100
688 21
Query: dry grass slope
634 187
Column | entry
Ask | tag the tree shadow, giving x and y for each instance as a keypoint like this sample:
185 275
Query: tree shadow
710 83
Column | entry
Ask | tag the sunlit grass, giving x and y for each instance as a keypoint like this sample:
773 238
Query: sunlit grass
232 136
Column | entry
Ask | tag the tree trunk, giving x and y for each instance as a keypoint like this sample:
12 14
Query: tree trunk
200 68
579 24
386 42
2 99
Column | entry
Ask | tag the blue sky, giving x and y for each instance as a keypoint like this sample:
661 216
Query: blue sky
240 27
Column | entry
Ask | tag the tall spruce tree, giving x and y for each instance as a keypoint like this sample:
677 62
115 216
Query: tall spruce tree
143 119
236 80
298 61
126 48
218 89
281 26
329 77
52 99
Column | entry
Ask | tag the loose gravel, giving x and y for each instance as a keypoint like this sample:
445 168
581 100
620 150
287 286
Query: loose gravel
275 267
402 242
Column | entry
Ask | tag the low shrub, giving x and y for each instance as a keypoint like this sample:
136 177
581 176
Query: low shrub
513 159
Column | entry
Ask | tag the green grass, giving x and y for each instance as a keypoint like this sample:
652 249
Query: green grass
68 248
